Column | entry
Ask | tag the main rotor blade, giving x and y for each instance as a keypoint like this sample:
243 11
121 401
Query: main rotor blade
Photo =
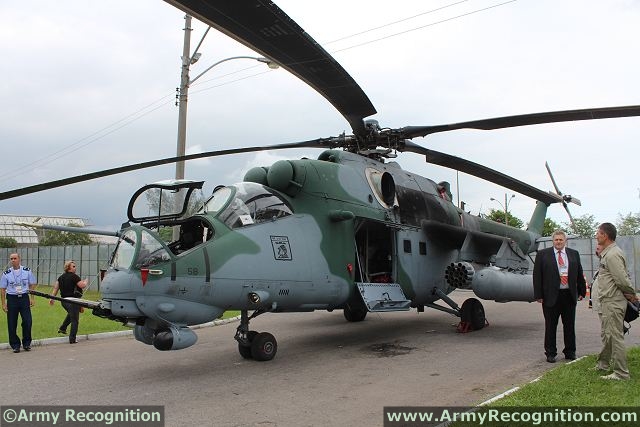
314 143
265 28
525 120
488 174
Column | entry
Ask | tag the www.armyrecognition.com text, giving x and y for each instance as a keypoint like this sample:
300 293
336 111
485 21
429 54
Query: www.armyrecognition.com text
510 416
93 415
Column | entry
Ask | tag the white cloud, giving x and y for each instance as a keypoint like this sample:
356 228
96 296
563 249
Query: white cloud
71 69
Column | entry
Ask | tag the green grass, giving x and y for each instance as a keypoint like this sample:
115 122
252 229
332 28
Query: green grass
561 390
47 319
575 384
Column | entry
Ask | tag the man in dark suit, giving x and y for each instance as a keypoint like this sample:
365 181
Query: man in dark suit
558 283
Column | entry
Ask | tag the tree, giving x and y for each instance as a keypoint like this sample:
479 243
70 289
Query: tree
628 225
8 242
549 227
498 216
166 233
584 226
65 238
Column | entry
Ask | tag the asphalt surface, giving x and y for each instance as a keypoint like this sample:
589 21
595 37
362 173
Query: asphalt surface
326 372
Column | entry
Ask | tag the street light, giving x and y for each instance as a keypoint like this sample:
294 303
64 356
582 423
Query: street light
185 82
505 207
183 94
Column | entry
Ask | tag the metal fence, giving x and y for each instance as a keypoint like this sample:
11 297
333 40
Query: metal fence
47 262
630 245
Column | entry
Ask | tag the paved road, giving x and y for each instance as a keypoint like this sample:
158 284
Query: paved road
326 372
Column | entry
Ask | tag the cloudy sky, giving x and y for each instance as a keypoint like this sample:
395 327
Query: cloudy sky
91 85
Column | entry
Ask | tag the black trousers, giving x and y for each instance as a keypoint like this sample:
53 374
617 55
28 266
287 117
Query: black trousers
564 308
19 305
73 318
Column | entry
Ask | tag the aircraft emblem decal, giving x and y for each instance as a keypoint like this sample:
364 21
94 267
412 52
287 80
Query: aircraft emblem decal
281 248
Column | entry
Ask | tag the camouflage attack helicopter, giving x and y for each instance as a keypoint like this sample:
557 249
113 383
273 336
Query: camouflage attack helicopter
347 231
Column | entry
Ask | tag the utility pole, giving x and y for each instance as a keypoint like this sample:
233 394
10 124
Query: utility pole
505 206
182 95
506 212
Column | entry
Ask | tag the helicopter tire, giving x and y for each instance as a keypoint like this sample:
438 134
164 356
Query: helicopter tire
472 312
356 314
245 350
264 347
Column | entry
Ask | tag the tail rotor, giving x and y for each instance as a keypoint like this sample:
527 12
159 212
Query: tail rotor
566 198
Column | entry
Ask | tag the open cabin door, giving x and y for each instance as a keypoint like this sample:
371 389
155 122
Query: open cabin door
376 268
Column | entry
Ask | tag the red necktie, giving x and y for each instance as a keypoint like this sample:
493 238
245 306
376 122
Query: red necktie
564 280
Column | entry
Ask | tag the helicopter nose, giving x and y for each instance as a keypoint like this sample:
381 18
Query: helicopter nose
118 289
116 283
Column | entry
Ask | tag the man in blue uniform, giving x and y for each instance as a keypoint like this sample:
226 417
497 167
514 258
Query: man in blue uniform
14 292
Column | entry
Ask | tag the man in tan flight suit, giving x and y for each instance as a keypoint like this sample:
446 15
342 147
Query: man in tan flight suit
614 289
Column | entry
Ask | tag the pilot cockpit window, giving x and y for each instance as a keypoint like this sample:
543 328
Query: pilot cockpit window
218 200
151 252
253 204
123 255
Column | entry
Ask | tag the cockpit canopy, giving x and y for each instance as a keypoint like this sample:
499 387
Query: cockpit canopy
245 204
164 201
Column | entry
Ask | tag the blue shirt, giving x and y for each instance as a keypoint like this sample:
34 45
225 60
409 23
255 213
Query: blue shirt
17 281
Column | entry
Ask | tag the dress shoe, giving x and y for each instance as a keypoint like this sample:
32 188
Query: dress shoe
27 348
16 350
570 356
551 359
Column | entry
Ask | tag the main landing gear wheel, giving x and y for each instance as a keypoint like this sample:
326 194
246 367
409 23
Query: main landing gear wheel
245 350
260 346
472 314
354 314
264 347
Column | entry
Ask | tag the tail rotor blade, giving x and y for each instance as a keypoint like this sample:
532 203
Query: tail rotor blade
566 208
546 165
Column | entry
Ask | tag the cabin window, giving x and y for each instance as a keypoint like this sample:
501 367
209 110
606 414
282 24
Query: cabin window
253 204
407 246
423 248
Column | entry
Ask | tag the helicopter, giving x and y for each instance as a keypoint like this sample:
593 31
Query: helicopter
350 230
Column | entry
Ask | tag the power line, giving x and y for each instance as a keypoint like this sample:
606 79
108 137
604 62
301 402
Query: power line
423 26
394 22
90 139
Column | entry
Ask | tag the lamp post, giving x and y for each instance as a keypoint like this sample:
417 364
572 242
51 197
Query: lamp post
183 95
185 82
505 207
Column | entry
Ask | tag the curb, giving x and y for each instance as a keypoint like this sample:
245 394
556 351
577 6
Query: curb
106 335
512 390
